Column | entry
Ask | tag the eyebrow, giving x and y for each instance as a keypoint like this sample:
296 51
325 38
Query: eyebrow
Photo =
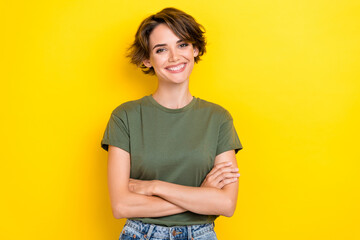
164 44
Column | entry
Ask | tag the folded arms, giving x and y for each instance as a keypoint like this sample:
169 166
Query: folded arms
217 195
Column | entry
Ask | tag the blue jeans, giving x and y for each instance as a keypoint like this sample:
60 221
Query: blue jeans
137 230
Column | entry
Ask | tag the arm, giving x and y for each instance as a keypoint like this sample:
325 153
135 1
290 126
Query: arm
126 204
202 200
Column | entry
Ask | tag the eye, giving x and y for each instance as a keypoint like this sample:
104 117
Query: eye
159 50
184 44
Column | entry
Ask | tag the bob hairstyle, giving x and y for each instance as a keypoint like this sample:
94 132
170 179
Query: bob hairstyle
182 24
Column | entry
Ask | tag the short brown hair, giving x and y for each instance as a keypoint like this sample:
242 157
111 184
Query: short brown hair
182 24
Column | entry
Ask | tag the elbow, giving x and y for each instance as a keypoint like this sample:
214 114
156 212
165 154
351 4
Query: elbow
118 211
229 213
123 208
117 215
229 210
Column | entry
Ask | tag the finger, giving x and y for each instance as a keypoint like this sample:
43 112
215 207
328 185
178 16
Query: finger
134 180
226 175
219 166
131 187
227 181
222 171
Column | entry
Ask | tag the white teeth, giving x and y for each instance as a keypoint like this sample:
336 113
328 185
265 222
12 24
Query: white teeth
177 68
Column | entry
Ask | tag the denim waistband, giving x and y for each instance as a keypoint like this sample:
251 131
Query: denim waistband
174 232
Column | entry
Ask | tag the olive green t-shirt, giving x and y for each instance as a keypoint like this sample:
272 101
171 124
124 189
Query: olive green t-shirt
173 145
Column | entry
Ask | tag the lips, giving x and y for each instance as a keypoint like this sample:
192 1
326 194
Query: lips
171 66
176 68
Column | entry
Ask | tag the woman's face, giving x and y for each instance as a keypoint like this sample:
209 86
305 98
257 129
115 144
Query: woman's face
171 58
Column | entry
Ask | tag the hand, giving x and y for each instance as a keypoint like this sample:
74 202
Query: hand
141 186
221 175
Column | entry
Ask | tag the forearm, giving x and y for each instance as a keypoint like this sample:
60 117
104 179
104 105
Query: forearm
138 205
201 200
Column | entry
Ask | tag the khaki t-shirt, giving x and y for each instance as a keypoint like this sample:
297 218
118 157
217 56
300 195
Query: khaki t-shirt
172 145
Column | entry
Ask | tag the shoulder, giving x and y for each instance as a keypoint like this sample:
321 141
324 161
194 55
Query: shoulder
127 107
214 108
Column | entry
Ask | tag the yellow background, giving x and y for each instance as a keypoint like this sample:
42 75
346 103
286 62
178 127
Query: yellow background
288 72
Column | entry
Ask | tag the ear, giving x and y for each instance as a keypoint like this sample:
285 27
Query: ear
147 63
196 51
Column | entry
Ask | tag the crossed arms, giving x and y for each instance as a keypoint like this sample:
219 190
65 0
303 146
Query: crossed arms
129 198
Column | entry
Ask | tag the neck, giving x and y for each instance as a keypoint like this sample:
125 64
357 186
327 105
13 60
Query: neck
173 98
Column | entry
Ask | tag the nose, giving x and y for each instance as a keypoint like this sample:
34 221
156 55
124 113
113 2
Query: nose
173 55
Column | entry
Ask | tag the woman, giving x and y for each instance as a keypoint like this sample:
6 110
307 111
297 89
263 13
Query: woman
171 156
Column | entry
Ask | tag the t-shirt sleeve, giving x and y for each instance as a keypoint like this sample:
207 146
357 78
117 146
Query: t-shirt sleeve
228 138
117 131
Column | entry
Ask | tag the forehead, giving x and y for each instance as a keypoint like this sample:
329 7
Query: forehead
162 34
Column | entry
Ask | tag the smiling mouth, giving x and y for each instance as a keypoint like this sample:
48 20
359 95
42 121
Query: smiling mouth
177 69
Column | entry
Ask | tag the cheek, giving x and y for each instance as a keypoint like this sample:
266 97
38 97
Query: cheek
159 61
191 55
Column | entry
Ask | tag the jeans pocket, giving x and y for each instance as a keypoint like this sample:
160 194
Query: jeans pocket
207 236
129 233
